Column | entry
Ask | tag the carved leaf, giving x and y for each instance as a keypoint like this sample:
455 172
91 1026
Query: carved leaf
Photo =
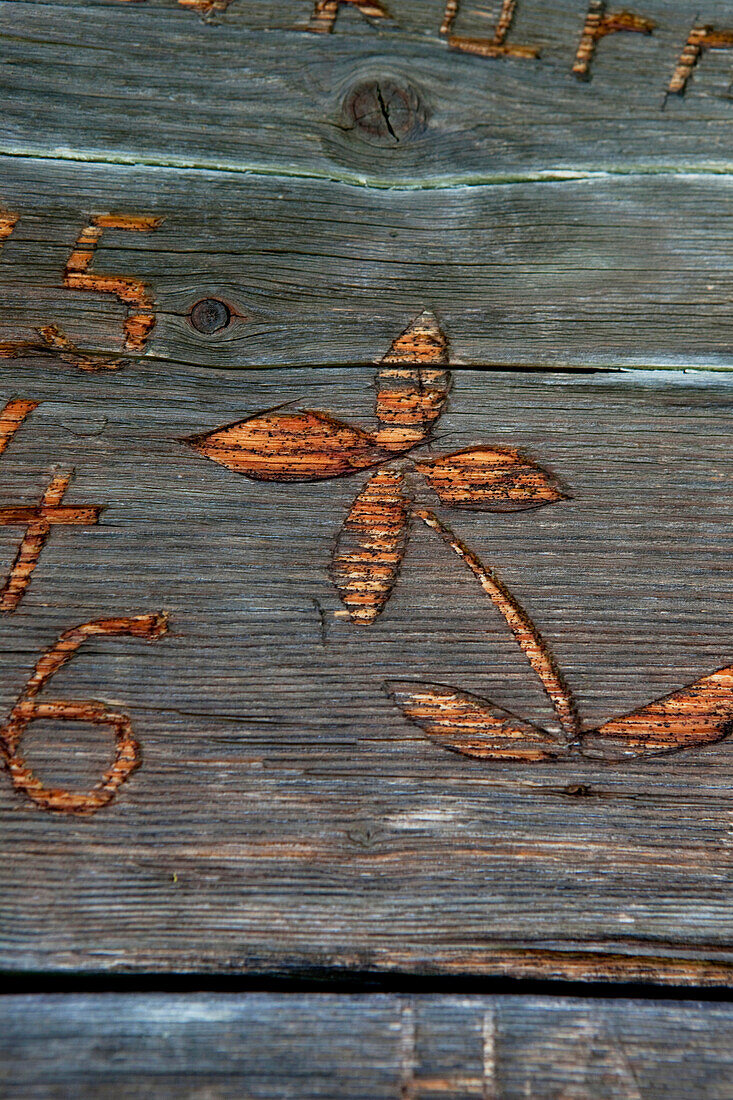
411 386
303 446
498 479
371 545
697 715
471 726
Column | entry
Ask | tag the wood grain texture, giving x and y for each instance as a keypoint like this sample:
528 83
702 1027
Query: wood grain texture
252 88
621 271
285 816
319 1047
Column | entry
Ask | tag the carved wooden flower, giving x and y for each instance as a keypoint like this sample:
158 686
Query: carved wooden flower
412 388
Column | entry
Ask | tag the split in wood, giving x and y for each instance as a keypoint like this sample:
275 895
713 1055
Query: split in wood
53 341
600 23
701 38
127 751
132 291
496 46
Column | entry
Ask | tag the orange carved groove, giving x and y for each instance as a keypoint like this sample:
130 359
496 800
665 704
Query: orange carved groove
325 13
471 726
27 710
526 633
38 522
700 38
371 546
598 24
12 417
141 314
499 479
303 446
412 386
495 46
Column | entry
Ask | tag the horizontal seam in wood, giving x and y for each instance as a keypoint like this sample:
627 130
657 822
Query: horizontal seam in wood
555 176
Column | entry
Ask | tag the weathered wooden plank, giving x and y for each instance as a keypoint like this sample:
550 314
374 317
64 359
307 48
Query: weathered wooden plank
632 271
286 815
251 88
371 1047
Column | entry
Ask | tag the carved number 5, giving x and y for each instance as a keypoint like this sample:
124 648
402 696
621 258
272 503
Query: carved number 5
27 710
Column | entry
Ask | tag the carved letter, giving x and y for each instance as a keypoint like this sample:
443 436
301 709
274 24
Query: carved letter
325 12
27 710
131 291
700 39
597 25
488 47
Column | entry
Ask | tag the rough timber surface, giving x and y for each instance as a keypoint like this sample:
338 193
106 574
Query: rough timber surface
286 817
618 271
251 89
266 1047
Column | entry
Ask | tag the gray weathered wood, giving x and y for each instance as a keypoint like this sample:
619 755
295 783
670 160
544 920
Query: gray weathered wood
250 89
624 271
286 816
363 1047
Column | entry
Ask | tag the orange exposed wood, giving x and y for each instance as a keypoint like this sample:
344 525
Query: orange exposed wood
697 715
494 478
325 12
471 726
27 710
371 546
12 417
141 315
700 38
38 522
487 47
303 446
8 222
411 386
598 24
528 637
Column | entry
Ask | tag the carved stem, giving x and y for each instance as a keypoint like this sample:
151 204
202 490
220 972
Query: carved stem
528 637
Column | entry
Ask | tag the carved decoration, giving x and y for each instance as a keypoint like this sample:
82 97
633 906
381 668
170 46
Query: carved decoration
413 383
37 520
27 709
598 24
700 38
130 290
325 12
496 46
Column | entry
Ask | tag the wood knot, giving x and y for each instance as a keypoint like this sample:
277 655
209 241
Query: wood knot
384 112
210 315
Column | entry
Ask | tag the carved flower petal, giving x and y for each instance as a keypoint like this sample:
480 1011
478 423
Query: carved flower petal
302 446
371 546
471 726
498 479
697 715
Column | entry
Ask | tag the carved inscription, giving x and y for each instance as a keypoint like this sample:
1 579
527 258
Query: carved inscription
701 38
496 46
130 290
8 222
28 709
600 23
38 519
412 388
325 12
